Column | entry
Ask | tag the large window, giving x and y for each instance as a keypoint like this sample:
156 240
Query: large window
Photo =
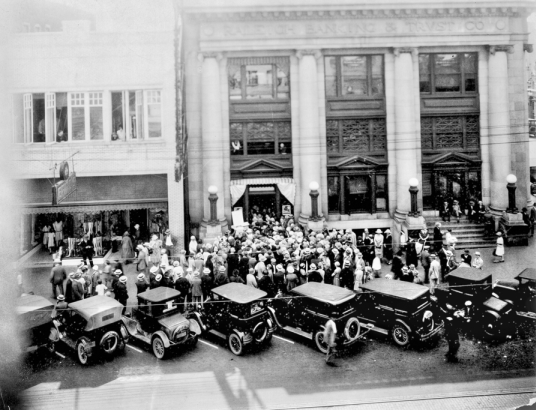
450 132
356 136
87 116
264 79
448 73
261 138
354 76
360 192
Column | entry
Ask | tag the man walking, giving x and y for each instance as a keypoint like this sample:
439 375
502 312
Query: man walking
330 332
57 276
453 339
425 262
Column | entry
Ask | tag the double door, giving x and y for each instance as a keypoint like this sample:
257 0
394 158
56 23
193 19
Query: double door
450 185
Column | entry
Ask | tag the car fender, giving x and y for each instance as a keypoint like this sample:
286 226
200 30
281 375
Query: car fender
88 344
401 322
163 336
273 315
242 336
199 318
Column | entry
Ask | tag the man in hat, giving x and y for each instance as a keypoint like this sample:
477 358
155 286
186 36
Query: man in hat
415 275
115 278
60 308
77 287
478 263
221 277
168 242
156 281
407 276
330 334
453 339
57 275
378 243
425 262
207 283
69 288
347 276
314 275
86 250
197 289
167 278
121 292
466 257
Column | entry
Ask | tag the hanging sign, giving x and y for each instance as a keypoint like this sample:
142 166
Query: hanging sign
66 186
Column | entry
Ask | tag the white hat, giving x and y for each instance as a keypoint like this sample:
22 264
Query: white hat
123 279
206 270
141 276
153 269
290 269
378 231
158 278
118 272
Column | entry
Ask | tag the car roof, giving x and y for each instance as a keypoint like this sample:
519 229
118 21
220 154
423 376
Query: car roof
469 274
239 293
30 303
397 288
159 294
323 292
528 273
93 306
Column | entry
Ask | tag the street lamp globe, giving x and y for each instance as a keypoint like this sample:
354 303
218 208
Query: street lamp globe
511 179
313 186
213 189
413 182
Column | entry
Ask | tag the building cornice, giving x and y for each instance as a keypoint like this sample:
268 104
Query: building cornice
362 14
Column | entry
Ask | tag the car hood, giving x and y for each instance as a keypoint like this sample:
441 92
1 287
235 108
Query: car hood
174 321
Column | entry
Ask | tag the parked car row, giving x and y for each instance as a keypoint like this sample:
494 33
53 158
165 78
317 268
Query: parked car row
244 317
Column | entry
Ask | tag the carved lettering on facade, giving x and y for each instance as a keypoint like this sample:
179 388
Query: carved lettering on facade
343 28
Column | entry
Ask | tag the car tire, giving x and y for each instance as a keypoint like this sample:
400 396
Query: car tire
159 349
490 324
260 331
352 330
124 334
235 344
320 344
400 335
109 343
81 354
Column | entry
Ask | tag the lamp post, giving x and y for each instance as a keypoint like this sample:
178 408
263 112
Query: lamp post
511 180
313 186
213 198
413 184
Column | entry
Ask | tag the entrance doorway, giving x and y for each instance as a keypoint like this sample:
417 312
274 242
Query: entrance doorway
450 185
263 199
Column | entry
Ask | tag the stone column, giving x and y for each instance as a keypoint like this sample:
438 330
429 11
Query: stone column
212 134
483 88
499 127
310 144
405 137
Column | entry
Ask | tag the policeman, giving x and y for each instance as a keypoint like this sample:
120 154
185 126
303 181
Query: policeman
453 339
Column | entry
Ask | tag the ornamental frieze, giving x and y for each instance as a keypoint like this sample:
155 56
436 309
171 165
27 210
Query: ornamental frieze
343 28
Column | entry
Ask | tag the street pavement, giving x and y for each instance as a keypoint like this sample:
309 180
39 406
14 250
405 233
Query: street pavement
288 374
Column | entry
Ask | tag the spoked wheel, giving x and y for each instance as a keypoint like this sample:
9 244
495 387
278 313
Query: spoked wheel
320 343
400 335
159 349
82 355
491 324
235 344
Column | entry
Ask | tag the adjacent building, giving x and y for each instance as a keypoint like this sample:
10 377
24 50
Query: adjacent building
95 89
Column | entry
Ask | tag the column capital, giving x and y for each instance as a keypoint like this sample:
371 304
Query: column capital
508 48
309 52
413 50
209 54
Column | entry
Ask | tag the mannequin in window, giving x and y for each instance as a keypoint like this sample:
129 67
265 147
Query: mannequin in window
120 133
282 149
236 146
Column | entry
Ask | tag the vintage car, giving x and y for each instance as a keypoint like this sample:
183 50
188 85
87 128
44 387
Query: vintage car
521 294
237 313
400 310
468 292
158 321
35 318
311 305
92 326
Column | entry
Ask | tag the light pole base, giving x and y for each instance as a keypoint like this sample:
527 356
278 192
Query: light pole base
209 231
515 231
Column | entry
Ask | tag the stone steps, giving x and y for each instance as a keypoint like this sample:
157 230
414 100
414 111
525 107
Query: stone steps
470 235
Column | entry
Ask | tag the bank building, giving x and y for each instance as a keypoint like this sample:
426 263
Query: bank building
351 100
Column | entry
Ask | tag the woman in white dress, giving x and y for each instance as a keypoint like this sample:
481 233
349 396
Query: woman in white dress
499 250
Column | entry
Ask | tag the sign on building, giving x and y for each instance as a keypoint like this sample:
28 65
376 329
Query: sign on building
66 186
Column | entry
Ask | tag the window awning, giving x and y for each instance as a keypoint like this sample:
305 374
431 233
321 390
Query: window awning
92 208
286 186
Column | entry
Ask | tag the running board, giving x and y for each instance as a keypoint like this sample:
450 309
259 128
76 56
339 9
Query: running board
219 334
298 332
380 330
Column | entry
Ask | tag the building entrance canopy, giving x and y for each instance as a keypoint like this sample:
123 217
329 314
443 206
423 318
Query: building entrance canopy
286 186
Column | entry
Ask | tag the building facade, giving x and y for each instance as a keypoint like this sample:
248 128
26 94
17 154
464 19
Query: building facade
359 97
95 89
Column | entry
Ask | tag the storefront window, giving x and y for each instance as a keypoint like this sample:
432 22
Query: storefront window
381 192
448 73
357 193
333 194
261 138
353 76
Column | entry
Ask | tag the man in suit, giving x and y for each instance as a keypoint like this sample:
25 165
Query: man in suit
78 287
86 249
141 260
445 211
57 275
425 261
